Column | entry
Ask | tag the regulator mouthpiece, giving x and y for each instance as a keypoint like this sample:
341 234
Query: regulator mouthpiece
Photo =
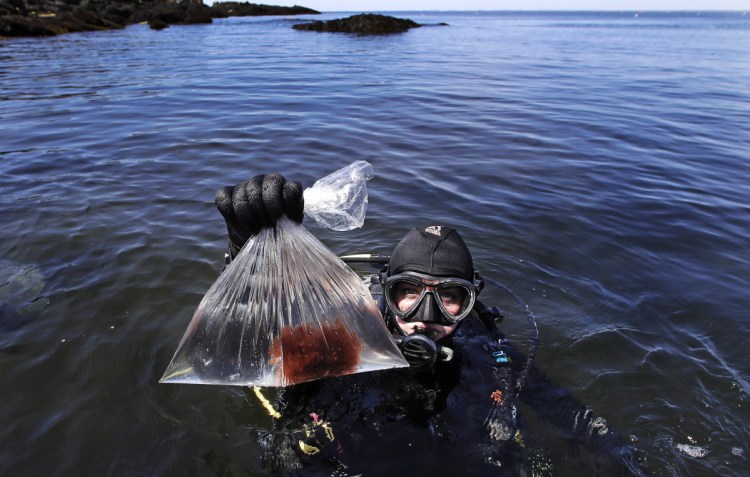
421 352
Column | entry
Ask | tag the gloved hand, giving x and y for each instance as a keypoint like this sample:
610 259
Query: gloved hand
256 203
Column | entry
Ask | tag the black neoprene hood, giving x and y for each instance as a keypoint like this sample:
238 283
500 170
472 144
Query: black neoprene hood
435 250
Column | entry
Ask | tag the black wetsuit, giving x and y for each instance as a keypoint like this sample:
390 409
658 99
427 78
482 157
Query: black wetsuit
460 418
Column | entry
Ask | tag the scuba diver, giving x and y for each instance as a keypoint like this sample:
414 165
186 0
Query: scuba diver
458 400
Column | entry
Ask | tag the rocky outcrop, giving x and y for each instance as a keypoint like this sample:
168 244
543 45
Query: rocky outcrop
364 24
53 17
244 9
173 13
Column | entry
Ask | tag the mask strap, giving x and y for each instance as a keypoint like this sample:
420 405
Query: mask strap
478 282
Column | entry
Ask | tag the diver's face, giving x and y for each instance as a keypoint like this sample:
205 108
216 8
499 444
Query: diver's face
407 294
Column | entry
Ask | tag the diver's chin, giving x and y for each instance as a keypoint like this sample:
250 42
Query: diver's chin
434 331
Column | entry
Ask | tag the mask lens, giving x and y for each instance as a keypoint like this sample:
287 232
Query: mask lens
404 294
453 299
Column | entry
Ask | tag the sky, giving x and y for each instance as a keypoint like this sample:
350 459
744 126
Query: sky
417 5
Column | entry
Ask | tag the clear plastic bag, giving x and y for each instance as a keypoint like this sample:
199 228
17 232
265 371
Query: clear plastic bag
285 311
339 200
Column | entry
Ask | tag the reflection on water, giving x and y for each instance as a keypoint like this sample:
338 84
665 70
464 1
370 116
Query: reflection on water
595 163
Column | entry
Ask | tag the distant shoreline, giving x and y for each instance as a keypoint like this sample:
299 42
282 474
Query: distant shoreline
43 18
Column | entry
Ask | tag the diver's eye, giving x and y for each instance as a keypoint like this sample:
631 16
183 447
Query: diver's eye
408 290
451 295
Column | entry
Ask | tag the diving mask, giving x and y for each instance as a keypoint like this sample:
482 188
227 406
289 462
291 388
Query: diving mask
418 297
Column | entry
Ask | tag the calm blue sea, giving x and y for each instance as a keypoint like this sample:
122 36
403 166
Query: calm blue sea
596 163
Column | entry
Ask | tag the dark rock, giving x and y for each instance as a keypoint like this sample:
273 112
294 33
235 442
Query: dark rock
18 25
80 19
198 14
12 7
175 14
157 25
364 24
118 12
245 9
53 17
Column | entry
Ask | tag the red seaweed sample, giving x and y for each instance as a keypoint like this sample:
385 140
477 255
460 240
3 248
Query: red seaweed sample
309 351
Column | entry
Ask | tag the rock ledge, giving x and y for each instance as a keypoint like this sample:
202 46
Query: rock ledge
54 17
364 24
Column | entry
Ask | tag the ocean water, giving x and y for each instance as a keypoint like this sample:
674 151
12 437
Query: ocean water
596 163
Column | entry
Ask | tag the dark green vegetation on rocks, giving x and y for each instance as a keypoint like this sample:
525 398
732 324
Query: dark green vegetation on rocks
53 17
364 24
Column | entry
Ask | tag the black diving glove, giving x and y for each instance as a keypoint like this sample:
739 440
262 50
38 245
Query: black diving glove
257 203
